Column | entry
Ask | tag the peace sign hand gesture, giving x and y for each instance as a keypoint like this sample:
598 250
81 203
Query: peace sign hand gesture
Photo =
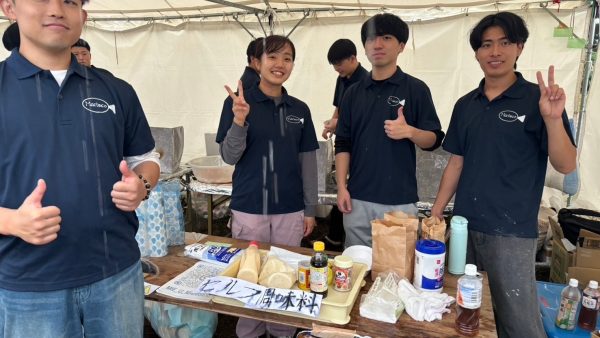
240 108
552 97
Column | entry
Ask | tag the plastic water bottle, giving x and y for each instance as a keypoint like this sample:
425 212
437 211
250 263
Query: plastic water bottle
468 301
589 307
569 300
458 245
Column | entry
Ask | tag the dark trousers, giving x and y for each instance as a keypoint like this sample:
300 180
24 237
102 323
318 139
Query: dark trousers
336 225
510 265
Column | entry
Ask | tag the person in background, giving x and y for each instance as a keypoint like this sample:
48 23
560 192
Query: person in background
270 137
10 38
77 159
381 119
83 52
342 55
500 137
251 75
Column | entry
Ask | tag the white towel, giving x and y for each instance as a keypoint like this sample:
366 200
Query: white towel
422 306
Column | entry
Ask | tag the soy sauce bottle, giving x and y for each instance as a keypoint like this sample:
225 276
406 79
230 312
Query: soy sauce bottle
319 270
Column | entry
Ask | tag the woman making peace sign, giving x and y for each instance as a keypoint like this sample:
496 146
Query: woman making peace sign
270 137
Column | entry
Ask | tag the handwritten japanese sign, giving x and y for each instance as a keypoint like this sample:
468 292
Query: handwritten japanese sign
263 298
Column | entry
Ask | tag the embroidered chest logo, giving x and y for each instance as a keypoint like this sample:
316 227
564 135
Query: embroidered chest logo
394 101
98 106
510 116
294 119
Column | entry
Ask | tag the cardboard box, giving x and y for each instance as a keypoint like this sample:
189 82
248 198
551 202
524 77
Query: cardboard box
588 250
583 275
587 258
583 264
562 259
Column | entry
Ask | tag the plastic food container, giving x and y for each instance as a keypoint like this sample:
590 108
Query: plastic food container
211 169
335 308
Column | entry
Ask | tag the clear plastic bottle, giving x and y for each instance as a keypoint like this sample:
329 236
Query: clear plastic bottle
468 301
250 263
589 307
569 300
319 270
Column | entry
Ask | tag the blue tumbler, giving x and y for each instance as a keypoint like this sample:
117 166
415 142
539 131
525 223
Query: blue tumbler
458 245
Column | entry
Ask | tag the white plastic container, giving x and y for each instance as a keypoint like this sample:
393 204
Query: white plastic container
430 256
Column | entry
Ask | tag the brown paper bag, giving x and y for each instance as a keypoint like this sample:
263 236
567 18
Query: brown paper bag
434 228
394 240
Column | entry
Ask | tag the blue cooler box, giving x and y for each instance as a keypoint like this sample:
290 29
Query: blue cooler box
549 301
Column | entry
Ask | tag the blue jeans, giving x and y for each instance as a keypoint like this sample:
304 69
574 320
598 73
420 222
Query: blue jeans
112 307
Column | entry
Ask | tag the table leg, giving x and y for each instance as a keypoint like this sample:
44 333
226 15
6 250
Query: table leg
209 212
211 205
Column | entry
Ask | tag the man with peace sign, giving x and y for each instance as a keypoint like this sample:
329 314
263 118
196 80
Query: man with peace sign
500 136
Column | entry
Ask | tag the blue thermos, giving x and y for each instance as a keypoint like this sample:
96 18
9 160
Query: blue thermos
458 245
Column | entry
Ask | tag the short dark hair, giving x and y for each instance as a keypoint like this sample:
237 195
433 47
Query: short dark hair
341 49
82 43
11 37
251 49
513 26
383 24
274 43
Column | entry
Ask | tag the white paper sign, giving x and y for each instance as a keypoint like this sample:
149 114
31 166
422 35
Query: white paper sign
259 297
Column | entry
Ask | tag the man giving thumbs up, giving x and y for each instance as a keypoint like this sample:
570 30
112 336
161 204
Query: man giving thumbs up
69 261
382 118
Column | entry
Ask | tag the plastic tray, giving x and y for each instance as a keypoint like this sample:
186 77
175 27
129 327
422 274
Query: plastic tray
335 308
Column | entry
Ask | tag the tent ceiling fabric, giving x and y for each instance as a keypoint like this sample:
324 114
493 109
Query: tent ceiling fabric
106 14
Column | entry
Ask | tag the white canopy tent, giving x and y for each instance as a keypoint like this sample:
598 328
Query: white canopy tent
178 54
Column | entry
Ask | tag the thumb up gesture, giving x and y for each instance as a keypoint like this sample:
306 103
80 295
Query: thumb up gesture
128 193
398 129
33 222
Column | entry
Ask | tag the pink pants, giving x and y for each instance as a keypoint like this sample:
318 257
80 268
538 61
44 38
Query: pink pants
286 229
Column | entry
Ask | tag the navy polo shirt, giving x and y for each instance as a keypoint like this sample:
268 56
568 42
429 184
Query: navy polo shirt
268 178
342 83
382 170
504 144
74 137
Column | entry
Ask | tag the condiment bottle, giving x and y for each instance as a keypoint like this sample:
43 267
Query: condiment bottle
250 263
342 273
319 270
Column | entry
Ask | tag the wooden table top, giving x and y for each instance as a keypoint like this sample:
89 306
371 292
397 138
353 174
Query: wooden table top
175 263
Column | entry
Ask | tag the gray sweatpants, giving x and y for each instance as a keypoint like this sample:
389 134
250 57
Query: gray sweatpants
510 265
357 224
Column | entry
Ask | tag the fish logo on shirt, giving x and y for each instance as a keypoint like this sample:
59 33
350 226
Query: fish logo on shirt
394 101
294 119
98 106
510 116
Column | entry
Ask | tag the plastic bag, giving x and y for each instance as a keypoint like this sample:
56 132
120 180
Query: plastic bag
382 302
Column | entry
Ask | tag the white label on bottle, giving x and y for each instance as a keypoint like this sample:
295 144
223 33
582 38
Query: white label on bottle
318 279
469 298
589 302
